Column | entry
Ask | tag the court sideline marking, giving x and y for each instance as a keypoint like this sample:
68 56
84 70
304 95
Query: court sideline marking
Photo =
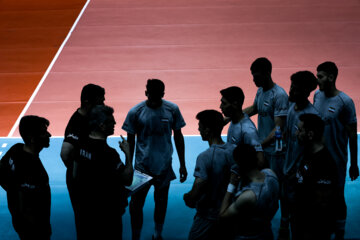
47 71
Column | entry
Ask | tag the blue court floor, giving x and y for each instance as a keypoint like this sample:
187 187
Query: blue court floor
179 217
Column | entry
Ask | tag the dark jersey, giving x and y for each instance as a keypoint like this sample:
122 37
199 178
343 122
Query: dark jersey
76 128
97 181
317 173
26 182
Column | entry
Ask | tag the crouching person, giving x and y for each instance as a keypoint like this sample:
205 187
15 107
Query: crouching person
251 200
24 178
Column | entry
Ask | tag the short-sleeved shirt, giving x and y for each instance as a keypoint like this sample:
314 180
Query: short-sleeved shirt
270 104
23 174
293 149
317 172
213 165
244 132
98 184
98 166
76 128
153 129
337 112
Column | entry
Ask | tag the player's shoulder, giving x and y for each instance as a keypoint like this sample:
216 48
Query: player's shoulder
138 108
346 99
280 91
170 105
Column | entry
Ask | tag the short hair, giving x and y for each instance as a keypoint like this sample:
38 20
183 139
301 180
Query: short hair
233 94
305 79
211 119
91 93
261 65
155 86
98 115
329 68
245 156
31 126
314 123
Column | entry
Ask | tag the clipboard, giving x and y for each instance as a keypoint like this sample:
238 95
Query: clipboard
139 180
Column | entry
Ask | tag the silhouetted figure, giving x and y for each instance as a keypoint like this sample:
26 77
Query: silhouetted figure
302 84
152 122
241 129
212 174
316 187
26 181
99 178
77 128
251 200
338 111
271 104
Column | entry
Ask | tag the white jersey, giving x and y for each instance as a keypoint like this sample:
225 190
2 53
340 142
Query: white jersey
153 129
337 112
244 132
213 165
270 104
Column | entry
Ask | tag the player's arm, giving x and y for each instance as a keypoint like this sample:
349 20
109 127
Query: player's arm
128 172
352 133
195 193
66 153
252 110
131 141
279 121
242 204
180 148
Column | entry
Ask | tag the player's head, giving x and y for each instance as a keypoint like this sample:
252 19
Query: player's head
33 130
232 100
211 123
327 73
155 89
310 129
245 158
261 70
302 84
92 95
101 119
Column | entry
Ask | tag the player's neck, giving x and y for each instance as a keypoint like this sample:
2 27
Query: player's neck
97 136
300 105
33 150
154 104
269 85
237 117
331 92
216 140
256 176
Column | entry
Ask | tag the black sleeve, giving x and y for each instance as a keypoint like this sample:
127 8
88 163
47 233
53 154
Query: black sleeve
5 172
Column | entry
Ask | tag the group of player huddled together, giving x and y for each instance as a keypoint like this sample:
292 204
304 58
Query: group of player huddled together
297 156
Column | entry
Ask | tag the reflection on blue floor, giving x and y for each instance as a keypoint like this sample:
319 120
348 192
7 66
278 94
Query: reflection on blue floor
179 217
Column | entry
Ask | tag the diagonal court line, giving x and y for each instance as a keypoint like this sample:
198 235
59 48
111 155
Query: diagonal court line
47 71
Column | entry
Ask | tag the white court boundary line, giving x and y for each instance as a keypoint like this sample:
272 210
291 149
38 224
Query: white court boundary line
47 71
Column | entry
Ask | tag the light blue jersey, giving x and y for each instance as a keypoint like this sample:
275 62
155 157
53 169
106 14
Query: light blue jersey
244 132
270 104
257 223
213 165
337 112
153 129
293 149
